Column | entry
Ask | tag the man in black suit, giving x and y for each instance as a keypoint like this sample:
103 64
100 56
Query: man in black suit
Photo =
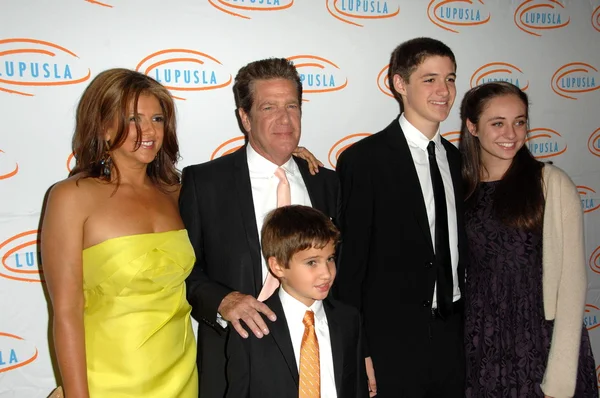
299 246
223 203
403 241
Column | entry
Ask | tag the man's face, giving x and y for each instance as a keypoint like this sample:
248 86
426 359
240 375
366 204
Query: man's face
273 124
429 94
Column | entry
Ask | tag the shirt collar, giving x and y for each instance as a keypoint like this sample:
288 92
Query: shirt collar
417 139
297 310
261 167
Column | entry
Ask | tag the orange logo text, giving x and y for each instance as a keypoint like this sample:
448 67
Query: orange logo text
453 137
596 19
183 71
238 8
318 74
594 261
228 147
589 198
537 16
590 316
383 83
98 3
27 63
8 167
15 352
19 256
545 143
574 78
354 11
500 71
451 15
594 143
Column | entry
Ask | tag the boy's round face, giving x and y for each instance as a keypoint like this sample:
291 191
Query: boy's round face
310 274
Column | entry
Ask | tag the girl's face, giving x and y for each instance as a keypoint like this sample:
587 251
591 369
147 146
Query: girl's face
501 130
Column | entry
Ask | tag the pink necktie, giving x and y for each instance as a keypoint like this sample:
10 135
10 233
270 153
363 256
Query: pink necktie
284 198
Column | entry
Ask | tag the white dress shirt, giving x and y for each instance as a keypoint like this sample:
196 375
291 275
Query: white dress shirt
417 143
294 314
264 189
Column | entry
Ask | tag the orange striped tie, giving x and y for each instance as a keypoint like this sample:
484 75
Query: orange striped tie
310 375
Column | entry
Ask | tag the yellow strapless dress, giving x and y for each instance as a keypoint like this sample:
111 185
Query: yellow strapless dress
138 334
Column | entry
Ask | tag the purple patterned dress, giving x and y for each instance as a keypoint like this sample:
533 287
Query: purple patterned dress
507 338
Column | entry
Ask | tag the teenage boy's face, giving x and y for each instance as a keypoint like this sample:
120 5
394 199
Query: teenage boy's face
429 94
310 274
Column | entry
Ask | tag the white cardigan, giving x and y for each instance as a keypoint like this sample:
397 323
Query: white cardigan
564 280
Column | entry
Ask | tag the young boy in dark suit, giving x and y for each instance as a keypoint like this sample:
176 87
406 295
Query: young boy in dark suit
315 346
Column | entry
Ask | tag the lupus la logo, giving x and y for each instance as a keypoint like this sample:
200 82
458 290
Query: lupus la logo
71 161
15 352
594 261
383 83
500 72
98 3
596 19
354 11
538 16
545 143
594 143
183 71
452 137
590 317
455 14
573 79
340 146
19 256
26 64
589 198
238 8
228 147
318 74
8 167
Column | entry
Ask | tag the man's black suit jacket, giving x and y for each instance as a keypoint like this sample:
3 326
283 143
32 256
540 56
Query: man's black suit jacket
266 368
386 262
218 212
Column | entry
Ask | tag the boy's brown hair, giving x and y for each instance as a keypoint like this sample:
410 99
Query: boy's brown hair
290 229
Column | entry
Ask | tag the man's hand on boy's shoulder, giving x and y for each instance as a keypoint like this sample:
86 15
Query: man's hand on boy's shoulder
237 307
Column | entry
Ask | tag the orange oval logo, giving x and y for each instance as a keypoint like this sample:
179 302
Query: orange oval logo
596 19
99 3
574 78
71 162
15 352
383 83
594 261
183 71
318 75
538 16
594 143
19 255
590 316
545 143
451 15
238 8
8 167
27 63
354 11
500 72
453 137
340 146
589 198
228 147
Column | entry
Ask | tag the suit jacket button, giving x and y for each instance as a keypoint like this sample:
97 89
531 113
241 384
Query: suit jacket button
426 303
429 264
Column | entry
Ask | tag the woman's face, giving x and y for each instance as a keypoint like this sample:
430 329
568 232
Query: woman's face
501 130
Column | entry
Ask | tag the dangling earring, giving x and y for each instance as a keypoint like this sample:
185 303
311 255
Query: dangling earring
106 162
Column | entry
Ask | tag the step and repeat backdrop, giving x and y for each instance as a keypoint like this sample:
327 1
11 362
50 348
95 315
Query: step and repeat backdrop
50 51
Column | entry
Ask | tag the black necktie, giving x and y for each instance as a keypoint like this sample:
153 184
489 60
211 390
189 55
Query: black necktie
443 261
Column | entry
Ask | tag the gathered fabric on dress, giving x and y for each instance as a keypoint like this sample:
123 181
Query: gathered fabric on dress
507 338
138 334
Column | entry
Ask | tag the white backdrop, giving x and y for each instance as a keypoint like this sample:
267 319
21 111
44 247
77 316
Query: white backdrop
50 50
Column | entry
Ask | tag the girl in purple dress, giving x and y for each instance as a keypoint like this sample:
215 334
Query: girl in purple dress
526 277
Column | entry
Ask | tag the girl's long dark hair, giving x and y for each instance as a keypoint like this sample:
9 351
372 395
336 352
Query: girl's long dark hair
519 196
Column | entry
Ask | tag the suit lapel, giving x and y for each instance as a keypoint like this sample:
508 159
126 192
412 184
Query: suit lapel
336 338
281 334
244 193
315 193
404 165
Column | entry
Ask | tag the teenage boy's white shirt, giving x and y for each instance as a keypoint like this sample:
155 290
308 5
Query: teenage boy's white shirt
294 312
417 143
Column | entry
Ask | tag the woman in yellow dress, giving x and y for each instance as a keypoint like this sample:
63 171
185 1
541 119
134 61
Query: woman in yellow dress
115 253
